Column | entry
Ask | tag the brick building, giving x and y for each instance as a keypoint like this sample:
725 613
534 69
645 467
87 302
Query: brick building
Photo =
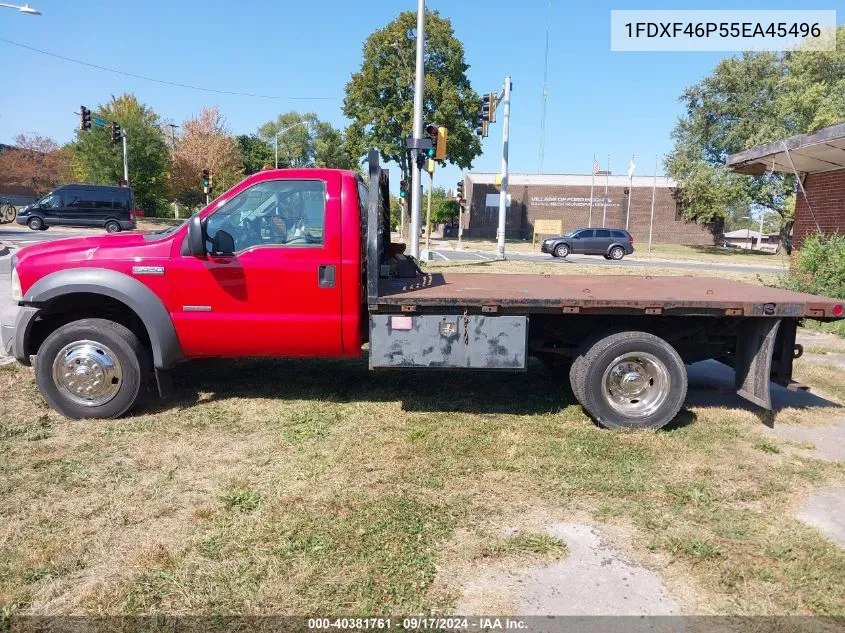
819 161
566 197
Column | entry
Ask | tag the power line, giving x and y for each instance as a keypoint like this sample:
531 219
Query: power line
160 81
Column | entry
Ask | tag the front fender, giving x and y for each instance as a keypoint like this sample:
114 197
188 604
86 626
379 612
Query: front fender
166 349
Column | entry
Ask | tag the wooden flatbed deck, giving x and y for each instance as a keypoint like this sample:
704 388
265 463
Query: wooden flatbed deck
608 294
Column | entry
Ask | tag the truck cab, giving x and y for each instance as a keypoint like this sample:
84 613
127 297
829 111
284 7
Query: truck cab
271 268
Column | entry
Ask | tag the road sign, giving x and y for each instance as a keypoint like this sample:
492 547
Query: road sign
98 121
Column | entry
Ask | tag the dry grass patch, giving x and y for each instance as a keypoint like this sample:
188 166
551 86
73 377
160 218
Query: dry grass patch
317 487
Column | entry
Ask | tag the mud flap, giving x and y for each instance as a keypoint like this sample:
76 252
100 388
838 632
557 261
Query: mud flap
755 345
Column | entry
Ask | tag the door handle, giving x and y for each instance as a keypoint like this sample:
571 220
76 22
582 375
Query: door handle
326 276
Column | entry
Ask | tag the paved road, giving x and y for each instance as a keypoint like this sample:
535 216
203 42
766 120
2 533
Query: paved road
23 236
480 256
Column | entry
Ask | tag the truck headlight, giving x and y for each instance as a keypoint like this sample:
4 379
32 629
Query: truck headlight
17 295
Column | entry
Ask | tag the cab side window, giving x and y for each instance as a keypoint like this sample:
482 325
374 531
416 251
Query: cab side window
274 213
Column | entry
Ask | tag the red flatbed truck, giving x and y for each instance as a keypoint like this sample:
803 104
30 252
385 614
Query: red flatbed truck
298 263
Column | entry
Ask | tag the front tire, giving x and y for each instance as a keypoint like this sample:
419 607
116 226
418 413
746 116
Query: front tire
630 380
35 223
617 253
92 368
561 250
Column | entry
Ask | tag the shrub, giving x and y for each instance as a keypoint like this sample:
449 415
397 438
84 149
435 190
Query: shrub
818 267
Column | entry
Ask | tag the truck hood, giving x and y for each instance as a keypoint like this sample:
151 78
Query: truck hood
128 245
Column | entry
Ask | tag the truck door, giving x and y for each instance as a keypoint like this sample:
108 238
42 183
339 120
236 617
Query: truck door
270 284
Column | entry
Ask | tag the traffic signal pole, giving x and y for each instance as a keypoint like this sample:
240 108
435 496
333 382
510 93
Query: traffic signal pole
416 175
503 193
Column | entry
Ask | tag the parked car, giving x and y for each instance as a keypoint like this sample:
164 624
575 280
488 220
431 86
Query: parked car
612 243
112 208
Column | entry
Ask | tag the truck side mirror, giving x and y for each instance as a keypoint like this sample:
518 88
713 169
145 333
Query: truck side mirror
196 239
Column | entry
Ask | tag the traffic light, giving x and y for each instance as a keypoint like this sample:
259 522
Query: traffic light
429 166
206 181
84 118
403 189
115 132
460 190
488 108
438 135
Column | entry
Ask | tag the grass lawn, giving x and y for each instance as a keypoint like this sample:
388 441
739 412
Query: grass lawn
317 487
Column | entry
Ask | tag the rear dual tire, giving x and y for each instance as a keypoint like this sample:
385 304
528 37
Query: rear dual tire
629 380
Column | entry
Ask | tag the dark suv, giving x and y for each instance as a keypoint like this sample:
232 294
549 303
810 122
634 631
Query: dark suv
111 208
612 243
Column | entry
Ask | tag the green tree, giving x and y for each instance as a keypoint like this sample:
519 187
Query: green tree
256 153
748 100
380 96
443 208
305 141
97 160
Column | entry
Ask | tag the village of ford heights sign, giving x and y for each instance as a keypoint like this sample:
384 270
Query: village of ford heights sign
556 201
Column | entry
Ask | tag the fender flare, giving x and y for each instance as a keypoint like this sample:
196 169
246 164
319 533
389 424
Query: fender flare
166 349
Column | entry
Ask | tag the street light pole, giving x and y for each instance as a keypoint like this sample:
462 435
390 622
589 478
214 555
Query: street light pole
125 159
416 175
280 132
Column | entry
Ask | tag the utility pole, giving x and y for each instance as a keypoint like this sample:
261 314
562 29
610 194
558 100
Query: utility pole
760 239
653 196
503 193
125 159
631 168
416 175
428 216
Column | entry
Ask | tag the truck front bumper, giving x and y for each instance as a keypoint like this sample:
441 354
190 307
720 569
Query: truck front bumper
14 330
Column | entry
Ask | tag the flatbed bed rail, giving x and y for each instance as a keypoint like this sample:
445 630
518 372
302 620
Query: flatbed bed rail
601 294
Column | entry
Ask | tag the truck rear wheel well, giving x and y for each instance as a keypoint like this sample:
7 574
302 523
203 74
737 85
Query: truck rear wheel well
83 305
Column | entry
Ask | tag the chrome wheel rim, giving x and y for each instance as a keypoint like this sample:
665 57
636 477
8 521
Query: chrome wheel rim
562 251
616 253
636 384
88 373
111 227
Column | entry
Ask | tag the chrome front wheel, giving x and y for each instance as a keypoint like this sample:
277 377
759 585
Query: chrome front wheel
92 368
88 373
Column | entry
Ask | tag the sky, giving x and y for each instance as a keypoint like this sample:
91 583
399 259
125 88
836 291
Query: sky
599 102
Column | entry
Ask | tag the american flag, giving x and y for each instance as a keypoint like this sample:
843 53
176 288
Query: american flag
596 166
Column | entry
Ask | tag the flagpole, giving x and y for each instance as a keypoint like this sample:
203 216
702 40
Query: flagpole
606 184
631 168
592 185
653 194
